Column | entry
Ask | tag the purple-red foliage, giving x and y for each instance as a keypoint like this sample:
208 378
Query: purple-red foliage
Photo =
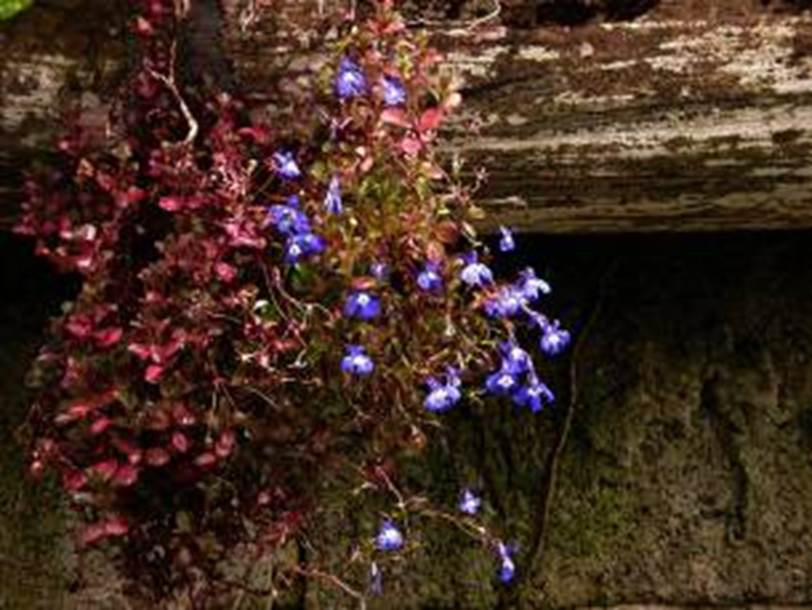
192 397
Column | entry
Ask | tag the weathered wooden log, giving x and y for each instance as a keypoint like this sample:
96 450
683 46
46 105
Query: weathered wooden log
695 116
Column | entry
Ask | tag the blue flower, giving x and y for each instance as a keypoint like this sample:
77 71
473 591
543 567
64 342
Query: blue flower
288 219
394 93
362 305
430 280
507 568
389 537
501 382
356 361
507 304
286 165
506 244
554 340
350 80
535 395
443 396
301 245
332 200
530 285
475 273
515 360
470 502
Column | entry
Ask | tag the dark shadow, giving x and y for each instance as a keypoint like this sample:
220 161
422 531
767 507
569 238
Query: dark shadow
573 12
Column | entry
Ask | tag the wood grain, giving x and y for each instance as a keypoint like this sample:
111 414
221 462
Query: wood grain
675 121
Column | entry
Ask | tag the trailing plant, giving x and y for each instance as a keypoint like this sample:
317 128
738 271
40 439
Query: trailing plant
273 312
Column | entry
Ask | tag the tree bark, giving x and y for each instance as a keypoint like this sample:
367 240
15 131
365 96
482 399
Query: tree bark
689 118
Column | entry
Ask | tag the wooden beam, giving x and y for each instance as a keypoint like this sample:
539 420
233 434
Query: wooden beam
677 121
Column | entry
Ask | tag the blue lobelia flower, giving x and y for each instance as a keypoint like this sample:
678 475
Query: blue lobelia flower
286 165
394 93
469 502
350 80
535 394
507 303
531 286
475 273
507 568
430 280
332 200
288 219
356 361
501 382
389 537
363 305
443 396
301 245
554 339
514 359
506 243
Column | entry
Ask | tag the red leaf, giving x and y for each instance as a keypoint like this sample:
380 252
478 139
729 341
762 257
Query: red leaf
116 526
74 480
153 373
78 410
104 470
171 204
157 456
430 120
162 353
130 196
205 460
100 425
225 272
395 116
125 476
180 442
139 349
411 146
143 27
225 444
108 336
79 326
93 534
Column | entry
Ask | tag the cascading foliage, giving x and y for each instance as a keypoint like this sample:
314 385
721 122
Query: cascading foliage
268 306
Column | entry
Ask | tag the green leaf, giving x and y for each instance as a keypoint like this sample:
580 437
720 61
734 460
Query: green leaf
9 8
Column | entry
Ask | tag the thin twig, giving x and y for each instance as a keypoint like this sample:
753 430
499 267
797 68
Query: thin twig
463 25
335 581
536 548
169 83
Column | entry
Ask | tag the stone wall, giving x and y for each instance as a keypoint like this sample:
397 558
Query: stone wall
686 480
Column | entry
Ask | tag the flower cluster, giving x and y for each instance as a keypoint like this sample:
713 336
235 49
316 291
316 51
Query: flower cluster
264 304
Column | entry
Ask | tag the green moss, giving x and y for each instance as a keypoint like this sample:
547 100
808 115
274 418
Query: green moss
32 533
603 515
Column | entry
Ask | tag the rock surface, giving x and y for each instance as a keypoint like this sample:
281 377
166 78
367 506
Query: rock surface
686 480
